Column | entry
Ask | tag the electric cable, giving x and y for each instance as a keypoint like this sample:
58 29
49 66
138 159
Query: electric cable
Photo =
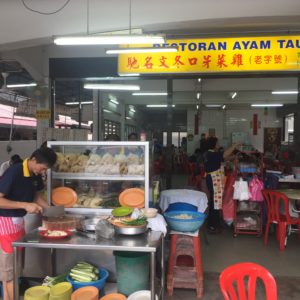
45 13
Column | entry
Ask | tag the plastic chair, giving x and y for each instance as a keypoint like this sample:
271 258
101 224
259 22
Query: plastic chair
275 202
238 282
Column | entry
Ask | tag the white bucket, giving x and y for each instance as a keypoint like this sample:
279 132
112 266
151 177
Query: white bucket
296 172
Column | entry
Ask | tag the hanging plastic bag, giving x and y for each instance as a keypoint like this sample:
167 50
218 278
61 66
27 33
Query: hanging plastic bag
255 188
241 191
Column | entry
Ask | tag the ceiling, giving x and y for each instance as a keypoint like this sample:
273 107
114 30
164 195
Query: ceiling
175 18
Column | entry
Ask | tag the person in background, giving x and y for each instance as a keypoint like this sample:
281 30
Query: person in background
214 181
13 160
132 136
20 189
203 143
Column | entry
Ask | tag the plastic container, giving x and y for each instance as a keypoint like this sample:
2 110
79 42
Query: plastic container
132 271
86 293
141 295
99 284
61 291
113 296
185 225
37 293
181 206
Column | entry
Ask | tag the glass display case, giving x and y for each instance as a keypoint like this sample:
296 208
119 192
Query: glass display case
98 172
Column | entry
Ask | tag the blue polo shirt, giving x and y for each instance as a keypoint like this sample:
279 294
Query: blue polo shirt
17 184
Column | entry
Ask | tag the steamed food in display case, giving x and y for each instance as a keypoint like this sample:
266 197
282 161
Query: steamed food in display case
98 172
107 164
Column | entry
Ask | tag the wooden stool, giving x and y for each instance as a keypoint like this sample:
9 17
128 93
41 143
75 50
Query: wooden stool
185 264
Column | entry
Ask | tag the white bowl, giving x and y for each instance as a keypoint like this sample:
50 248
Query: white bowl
149 212
141 295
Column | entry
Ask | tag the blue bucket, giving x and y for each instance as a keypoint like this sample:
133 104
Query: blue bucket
181 206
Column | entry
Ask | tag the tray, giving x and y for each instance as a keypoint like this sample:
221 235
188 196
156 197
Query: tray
42 233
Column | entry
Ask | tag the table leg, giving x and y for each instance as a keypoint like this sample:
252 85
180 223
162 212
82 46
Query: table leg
53 262
16 274
152 275
162 279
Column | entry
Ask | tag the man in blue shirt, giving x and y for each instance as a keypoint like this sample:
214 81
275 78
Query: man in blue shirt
19 195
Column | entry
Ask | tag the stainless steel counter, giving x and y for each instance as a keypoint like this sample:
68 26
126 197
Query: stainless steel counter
147 242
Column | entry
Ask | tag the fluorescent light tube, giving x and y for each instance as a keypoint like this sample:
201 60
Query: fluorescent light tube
199 79
284 92
128 118
114 101
17 85
213 105
150 94
233 95
132 109
76 103
197 107
198 95
158 105
106 110
110 40
267 105
223 106
142 50
107 86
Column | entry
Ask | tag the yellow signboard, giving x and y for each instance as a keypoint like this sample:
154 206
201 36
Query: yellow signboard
42 114
215 55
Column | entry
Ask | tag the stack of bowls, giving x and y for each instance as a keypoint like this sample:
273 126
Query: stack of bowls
114 296
61 291
86 293
37 293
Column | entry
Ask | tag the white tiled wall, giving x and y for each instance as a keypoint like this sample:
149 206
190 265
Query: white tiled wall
227 121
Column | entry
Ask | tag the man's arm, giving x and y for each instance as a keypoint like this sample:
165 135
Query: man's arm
29 207
40 200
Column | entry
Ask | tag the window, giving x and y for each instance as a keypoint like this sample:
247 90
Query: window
289 128
176 138
111 127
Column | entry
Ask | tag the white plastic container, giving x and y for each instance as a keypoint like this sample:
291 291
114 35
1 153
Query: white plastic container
141 295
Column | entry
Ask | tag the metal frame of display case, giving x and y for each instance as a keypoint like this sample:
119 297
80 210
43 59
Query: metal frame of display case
91 176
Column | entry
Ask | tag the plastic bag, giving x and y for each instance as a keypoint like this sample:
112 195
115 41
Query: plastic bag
255 188
241 191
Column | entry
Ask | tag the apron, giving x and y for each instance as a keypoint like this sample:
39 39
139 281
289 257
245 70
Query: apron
11 229
218 186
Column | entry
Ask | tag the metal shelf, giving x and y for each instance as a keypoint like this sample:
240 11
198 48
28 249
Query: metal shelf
93 176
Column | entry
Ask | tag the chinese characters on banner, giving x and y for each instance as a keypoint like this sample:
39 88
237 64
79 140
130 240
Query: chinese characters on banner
279 53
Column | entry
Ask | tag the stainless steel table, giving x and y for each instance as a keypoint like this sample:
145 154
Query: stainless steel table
148 242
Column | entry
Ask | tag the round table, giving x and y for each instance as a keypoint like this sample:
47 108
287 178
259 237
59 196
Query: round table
197 198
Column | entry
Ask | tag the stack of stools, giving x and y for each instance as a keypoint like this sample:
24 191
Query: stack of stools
185 264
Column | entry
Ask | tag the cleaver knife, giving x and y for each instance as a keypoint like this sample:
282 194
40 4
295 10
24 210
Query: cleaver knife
53 211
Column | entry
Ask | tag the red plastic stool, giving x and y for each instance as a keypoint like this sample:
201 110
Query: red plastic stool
185 264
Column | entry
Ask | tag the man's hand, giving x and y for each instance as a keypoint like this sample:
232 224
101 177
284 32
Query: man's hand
33 208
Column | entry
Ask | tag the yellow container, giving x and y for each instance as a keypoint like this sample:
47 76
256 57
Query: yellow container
61 291
38 292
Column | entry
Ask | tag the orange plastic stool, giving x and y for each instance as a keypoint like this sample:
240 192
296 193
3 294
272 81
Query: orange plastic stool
185 264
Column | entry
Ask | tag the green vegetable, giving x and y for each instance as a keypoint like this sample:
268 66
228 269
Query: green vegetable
136 222
84 272
51 281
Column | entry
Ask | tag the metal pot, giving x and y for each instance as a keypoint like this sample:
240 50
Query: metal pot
127 230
